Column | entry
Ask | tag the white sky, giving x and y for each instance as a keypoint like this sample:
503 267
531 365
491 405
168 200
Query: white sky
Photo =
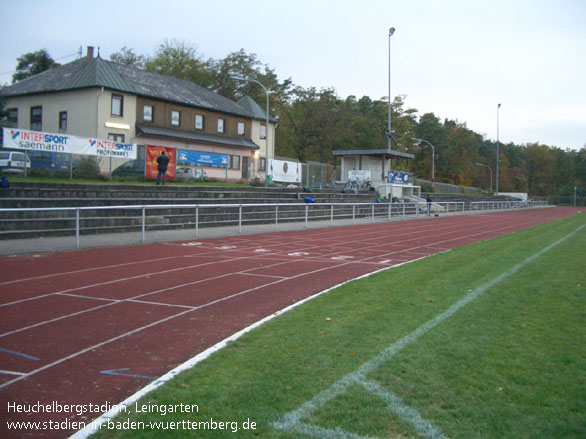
455 58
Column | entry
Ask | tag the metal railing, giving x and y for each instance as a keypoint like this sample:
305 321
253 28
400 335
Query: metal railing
99 220
502 205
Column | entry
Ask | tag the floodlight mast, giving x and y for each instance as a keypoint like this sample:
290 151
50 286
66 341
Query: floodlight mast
391 32
490 169
498 153
417 142
239 78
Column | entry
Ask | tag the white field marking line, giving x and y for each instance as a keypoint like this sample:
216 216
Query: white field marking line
46 322
168 305
262 275
95 424
88 349
79 296
85 270
426 245
10 372
83 351
109 282
293 419
136 298
402 410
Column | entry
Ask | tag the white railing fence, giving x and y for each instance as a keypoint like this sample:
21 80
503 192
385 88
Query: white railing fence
94 220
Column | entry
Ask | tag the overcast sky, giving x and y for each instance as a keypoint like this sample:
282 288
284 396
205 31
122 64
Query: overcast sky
455 58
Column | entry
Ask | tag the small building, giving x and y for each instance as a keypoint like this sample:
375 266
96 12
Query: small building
376 162
95 98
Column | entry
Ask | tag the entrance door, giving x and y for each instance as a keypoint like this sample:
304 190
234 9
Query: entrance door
246 167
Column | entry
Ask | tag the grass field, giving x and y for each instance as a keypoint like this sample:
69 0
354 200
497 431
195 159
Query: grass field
504 358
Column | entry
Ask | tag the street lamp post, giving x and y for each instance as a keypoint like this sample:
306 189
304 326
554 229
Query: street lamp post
391 32
417 142
267 121
497 149
490 169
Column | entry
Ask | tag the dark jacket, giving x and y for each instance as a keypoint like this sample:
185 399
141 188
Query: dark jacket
162 162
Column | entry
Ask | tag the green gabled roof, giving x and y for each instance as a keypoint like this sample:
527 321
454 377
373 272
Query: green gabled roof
249 103
97 73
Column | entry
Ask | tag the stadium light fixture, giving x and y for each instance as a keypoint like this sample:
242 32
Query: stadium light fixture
498 152
240 78
490 169
418 142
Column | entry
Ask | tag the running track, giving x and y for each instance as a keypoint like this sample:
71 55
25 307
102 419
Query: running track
66 317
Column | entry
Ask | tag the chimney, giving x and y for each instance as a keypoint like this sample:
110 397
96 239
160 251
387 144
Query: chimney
90 52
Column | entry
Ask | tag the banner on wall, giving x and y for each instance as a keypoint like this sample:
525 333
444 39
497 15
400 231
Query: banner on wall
186 157
16 138
398 177
359 175
285 171
152 153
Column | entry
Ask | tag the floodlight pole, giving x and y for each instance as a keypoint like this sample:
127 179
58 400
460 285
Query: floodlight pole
490 169
391 32
267 122
497 149
418 141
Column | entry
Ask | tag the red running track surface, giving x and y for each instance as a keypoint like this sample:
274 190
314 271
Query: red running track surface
68 316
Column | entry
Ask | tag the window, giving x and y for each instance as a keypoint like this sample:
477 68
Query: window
147 113
199 122
117 105
62 121
175 118
118 138
221 126
263 130
262 164
241 128
12 115
37 118
234 162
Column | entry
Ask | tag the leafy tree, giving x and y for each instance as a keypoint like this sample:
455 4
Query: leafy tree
246 65
179 59
127 57
33 63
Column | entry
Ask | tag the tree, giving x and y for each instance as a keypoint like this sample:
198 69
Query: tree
312 124
127 57
246 65
33 63
179 59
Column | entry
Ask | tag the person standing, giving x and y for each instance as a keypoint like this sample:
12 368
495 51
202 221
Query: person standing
428 205
162 163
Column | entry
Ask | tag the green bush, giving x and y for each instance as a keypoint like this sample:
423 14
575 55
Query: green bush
87 167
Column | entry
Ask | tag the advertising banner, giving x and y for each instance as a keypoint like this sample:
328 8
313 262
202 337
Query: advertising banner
152 153
186 157
285 171
359 175
398 177
16 138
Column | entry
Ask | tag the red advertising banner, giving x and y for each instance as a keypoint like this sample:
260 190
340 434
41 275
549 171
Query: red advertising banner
152 153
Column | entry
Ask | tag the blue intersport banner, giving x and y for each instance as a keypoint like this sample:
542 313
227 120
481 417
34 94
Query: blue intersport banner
186 157
398 177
